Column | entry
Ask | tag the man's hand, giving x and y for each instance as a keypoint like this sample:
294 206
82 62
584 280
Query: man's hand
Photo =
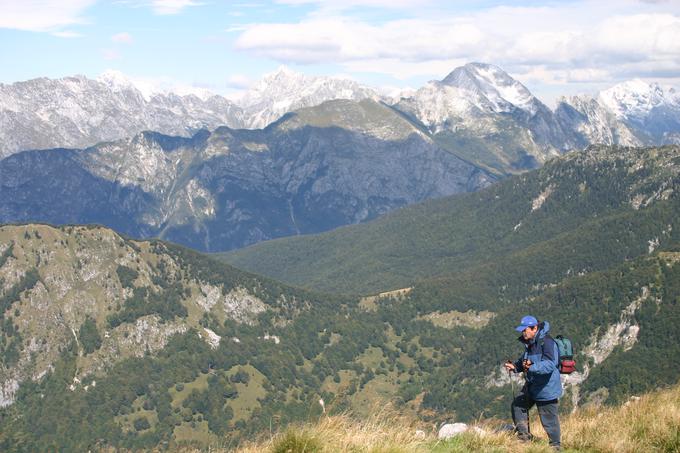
509 366
526 364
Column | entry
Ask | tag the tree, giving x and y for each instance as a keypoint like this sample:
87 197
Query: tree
89 336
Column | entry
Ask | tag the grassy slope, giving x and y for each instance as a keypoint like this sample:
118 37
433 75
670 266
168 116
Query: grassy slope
651 423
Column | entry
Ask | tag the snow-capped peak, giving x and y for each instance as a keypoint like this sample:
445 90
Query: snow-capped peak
285 90
115 80
633 98
283 77
491 87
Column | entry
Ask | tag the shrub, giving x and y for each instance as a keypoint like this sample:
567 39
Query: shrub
141 424
89 336
297 442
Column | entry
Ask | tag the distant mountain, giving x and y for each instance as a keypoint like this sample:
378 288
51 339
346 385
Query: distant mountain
75 112
285 91
478 112
631 113
592 122
315 169
483 115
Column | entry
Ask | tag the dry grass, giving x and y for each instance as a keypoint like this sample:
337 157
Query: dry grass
650 424
386 431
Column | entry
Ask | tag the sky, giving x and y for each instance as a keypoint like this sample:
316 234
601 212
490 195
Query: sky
553 47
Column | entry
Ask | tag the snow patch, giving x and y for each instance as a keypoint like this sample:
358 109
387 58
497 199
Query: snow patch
633 98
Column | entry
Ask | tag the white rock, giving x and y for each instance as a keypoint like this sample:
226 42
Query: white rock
212 338
450 430
274 338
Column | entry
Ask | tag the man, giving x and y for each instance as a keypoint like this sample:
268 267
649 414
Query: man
539 363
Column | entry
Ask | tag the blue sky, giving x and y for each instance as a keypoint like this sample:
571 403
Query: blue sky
553 47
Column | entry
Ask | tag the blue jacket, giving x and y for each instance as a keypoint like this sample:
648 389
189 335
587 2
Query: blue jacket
543 377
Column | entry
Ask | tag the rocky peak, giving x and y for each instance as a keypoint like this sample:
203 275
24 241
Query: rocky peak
632 99
285 90
491 87
116 80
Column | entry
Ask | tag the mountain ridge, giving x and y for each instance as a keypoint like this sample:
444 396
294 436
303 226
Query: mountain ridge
325 166
72 115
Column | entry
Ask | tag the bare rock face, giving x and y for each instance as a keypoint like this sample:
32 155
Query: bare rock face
76 112
285 91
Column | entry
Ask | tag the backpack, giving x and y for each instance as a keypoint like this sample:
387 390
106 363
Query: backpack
567 364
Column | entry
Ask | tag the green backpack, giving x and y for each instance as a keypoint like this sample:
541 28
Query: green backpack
567 364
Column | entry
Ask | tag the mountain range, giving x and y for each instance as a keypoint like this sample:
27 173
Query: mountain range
329 163
474 103
313 170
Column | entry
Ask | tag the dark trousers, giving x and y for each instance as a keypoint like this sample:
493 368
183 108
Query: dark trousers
547 411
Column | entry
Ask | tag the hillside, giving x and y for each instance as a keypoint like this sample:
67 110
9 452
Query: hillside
650 422
106 338
109 342
580 212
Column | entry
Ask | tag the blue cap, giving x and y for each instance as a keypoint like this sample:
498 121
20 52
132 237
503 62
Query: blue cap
527 321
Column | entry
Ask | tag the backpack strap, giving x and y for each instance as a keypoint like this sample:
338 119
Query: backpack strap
552 340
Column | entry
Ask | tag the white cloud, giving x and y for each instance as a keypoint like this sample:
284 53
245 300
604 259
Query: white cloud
345 40
67 34
122 38
42 15
347 4
167 7
641 35
573 42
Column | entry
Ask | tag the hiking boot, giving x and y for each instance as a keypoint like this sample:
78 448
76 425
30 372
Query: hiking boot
525 437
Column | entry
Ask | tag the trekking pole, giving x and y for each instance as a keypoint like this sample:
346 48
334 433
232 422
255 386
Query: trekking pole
512 384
